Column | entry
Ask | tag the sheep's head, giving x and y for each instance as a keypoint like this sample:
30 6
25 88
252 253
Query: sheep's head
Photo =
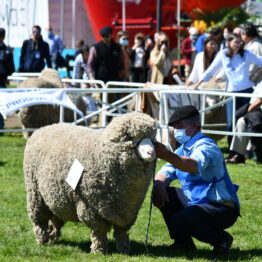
136 127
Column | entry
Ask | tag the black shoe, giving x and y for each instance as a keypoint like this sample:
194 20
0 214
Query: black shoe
230 154
223 248
236 159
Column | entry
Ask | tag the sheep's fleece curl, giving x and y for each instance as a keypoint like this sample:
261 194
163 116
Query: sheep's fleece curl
111 190
42 115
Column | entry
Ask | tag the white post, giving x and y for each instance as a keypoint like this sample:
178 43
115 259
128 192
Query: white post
178 31
62 8
73 22
123 15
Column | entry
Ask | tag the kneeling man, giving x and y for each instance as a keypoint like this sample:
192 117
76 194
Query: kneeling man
207 203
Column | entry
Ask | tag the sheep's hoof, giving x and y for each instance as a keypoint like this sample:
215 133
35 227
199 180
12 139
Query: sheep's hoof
99 250
42 236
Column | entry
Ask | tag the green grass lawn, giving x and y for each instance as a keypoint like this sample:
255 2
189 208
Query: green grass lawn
17 242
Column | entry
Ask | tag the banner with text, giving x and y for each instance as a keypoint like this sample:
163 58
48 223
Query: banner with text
10 102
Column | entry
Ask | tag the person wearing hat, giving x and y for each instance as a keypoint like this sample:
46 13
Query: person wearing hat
207 203
105 60
188 49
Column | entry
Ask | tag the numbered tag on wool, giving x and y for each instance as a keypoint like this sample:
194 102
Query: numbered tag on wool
75 173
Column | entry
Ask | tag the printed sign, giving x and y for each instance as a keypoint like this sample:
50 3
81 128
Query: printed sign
10 102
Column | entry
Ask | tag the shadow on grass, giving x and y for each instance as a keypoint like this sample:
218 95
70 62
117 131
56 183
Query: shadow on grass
138 248
2 163
84 245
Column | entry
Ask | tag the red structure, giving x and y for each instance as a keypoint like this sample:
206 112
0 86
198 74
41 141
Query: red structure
141 14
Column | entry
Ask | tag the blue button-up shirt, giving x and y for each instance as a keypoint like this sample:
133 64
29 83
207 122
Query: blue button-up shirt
55 44
236 69
210 164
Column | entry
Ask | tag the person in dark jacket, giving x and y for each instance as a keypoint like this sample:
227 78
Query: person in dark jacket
6 65
105 61
34 53
6 60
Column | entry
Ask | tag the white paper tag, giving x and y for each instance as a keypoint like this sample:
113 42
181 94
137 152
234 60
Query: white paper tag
75 173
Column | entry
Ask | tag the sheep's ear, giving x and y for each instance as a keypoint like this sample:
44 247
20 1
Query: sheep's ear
117 133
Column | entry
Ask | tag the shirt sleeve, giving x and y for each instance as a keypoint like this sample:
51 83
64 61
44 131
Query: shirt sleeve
197 67
169 171
253 59
207 155
215 65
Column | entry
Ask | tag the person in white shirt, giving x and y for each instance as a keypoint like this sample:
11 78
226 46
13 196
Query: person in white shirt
253 43
80 64
203 60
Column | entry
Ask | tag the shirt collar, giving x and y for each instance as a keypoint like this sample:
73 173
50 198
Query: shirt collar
192 141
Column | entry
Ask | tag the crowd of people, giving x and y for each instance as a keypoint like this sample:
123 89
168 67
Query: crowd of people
233 55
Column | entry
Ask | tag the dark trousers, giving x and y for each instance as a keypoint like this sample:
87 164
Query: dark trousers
138 75
205 222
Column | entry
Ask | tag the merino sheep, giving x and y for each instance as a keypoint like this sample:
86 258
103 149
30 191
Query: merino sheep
42 115
112 187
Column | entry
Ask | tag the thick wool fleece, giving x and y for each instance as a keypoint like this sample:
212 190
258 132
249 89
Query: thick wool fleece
42 115
113 185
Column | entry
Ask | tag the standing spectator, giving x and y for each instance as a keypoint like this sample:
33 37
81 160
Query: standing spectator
250 37
159 59
227 31
34 53
203 60
189 50
6 60
217 34
214 32
105 61
79 45
123 40
237 31
55 48
200 42
80 64
6 65
138 59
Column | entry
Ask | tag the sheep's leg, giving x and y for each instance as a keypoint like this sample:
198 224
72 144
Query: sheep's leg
39 215
99 228
54 227
99 238
122 239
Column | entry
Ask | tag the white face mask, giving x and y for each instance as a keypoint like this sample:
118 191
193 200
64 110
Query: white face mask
124 42
226 35
181 136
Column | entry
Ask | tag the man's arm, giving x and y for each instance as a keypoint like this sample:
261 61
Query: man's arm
255 105
160 196
91 63
183 163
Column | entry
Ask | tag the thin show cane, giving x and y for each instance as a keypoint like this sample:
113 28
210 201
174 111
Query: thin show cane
150 208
